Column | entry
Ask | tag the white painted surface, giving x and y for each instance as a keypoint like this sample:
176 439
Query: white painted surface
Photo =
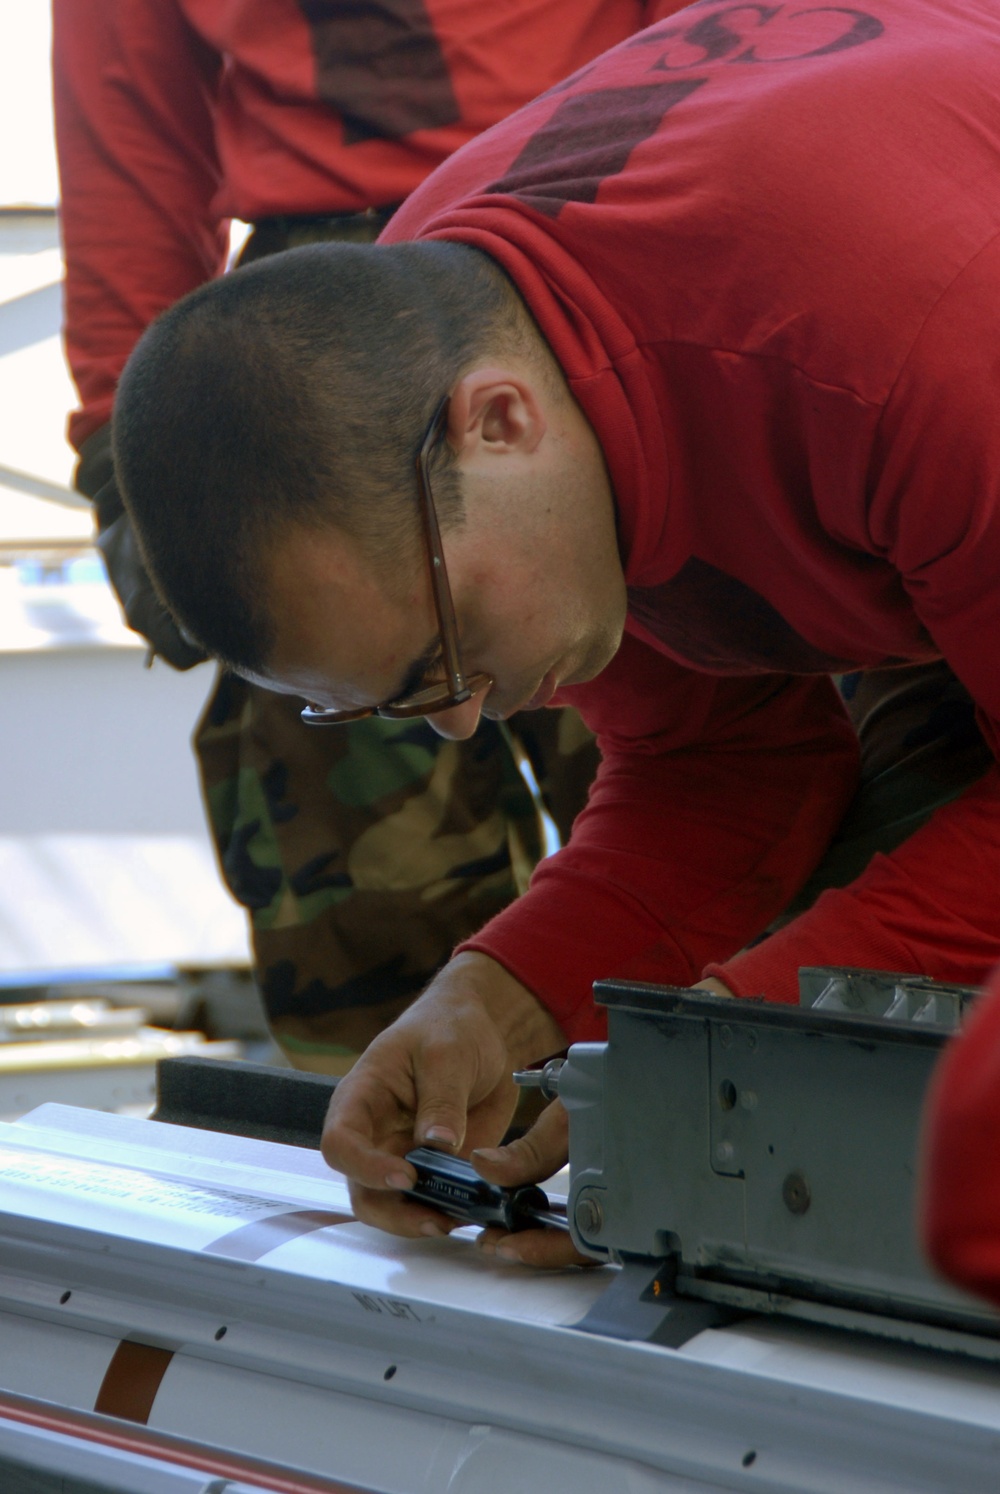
36 391
104 854
27 163
422 1366
105 858
55 1366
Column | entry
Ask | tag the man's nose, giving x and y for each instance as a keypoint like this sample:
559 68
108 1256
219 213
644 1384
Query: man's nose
459 721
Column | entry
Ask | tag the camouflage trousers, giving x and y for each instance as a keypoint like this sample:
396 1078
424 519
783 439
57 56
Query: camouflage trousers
364 853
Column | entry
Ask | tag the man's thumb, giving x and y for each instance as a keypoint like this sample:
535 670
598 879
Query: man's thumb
532 1157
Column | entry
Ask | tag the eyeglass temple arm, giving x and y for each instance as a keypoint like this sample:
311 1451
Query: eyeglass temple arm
443 603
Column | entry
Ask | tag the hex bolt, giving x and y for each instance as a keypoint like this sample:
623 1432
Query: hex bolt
795 1192
589 1216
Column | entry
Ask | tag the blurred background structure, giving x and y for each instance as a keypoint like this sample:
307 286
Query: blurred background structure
101 884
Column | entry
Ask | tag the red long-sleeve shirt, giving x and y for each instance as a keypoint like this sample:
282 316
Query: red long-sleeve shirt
173 116
764 244
960 1180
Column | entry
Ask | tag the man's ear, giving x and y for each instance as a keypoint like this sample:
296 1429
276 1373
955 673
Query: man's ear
495 412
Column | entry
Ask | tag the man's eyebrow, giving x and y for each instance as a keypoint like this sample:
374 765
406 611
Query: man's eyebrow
415 675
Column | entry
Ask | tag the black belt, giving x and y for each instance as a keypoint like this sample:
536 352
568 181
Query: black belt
289 222
272 235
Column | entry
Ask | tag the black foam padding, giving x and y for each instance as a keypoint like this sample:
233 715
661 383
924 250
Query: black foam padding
243 1099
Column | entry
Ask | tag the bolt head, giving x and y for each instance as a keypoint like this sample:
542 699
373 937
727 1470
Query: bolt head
589 1216
795 1192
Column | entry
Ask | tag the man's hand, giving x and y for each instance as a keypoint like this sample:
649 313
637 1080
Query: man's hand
534 1157
439 1076
144 612
713 986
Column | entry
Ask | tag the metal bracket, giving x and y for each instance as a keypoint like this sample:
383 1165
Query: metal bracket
641 1304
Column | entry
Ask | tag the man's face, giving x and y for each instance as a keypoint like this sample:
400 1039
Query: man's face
538 591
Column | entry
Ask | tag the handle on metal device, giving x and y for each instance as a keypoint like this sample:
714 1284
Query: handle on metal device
453 1186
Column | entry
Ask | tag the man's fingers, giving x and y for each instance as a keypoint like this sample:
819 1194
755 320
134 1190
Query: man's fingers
368 1131
440 1124
549 1249
439 1077
348 1146
533 1157
443 1077
399 1216
714 986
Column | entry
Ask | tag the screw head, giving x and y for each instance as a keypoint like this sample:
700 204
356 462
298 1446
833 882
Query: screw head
589 1216
795 1192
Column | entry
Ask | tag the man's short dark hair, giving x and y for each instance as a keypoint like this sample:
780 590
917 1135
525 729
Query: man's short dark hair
294 392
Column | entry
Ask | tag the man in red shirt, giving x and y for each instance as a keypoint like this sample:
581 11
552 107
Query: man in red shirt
362 858
961 1184
716 324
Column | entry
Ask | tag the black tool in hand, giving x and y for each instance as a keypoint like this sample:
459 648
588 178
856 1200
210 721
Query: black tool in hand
454 1187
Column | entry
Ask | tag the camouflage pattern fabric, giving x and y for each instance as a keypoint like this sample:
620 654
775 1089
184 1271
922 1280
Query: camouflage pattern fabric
364 853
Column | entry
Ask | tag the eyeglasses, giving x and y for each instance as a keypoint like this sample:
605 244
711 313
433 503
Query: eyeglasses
455 689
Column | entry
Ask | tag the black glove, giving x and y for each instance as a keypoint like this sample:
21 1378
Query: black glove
144 612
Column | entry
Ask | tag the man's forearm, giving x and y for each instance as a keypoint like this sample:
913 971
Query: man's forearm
929 906
682 857
138 172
